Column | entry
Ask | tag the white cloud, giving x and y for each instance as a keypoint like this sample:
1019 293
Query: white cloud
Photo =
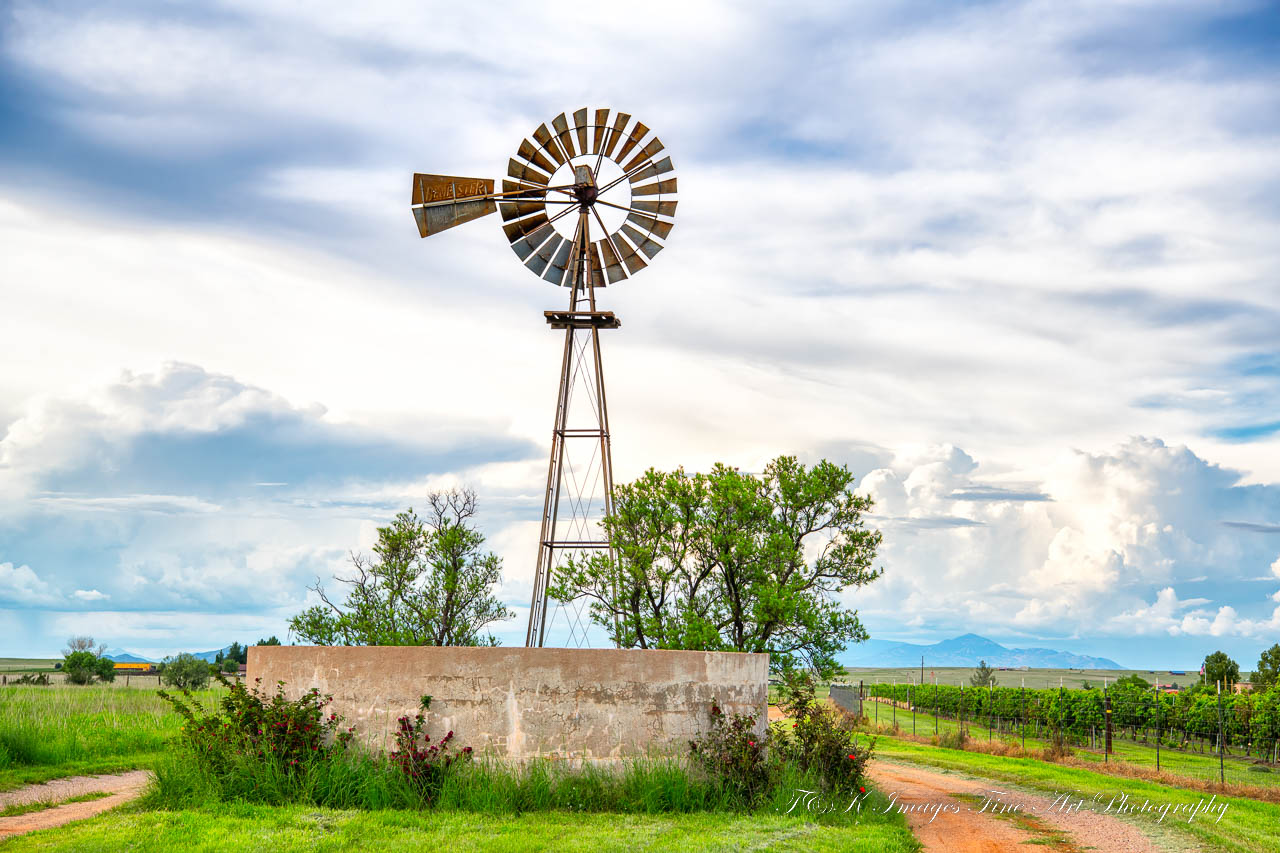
19 585
90 595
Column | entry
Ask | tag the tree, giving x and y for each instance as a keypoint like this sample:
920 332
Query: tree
229 664
428 584
1219 667
269 641
83 660
1268 672
237 653
1133 681
730 561
186 672
983 675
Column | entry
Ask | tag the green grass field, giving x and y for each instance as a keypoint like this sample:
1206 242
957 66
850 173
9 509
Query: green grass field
1037 678
21 665
49 732
301 828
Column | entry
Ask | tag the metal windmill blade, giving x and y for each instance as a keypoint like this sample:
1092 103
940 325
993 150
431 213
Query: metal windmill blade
590 171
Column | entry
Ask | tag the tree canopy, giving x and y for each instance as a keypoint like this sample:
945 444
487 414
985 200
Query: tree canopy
731 561
428 584
83 661
1220 667
1268 672
983 675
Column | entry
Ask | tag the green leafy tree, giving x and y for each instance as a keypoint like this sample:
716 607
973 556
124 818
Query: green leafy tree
237 653
730 561
1133 682
269 641
1268 672
1219 667
983 675
230 665
186 672
428 584
83 661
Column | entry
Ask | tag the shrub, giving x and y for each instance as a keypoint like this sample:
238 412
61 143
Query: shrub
288 732
954 739
425 765
185 672
821 738
733 754
39 679
106 669
80 667
230 665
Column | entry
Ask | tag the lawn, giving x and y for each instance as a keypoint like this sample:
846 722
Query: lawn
1248 826
302 828
50 732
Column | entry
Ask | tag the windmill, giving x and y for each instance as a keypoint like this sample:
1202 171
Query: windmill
604 168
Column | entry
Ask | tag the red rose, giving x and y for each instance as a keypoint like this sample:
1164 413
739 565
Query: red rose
851 758
861 790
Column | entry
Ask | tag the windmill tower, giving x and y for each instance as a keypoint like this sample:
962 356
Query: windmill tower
599 175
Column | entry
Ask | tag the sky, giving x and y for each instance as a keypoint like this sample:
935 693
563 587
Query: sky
1015 264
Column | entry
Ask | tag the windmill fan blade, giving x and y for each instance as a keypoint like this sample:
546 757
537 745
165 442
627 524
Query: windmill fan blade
440 201
661 208
534 156
528 245
659 188
637 133
612 265
656 227
521 172
543 256
597 271
615 133
634 262
580 123
642 241
561 124
651 171
532 193
646 153
555 270
548 143
510 210
602 124
521 227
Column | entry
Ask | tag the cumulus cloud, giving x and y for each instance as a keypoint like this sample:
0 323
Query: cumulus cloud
1125 530
19 585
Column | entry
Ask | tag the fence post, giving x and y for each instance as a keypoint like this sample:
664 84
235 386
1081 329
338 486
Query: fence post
1024 715
1222 773
962 712
1106 746
1157 695
877 698
894 700
936 710
913 710
991 696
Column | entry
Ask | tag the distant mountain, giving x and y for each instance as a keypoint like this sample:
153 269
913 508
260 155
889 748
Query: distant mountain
212 656
967 650
121 656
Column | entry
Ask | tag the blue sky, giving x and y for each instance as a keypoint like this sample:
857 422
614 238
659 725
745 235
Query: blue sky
1014 263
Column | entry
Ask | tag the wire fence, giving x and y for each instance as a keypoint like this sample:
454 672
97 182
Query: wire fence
1184 732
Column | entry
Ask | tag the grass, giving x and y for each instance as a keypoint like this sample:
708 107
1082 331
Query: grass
1248 826
51 732
237 827
41 805
21 665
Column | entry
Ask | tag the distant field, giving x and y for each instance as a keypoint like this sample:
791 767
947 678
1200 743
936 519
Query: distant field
1037 678
21 665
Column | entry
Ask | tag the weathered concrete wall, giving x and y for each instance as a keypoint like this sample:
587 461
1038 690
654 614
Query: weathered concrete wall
519 703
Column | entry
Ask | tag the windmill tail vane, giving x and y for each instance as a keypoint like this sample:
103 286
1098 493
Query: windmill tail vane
605 168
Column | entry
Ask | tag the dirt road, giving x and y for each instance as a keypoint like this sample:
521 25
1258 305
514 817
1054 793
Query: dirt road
122 787
956 814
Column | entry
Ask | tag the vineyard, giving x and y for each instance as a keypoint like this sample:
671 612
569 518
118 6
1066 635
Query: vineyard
1197 719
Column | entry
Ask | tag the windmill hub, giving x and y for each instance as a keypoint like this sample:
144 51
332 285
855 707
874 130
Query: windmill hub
611 173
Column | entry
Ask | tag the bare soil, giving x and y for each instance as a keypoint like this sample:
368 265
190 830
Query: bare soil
122 787
956 814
